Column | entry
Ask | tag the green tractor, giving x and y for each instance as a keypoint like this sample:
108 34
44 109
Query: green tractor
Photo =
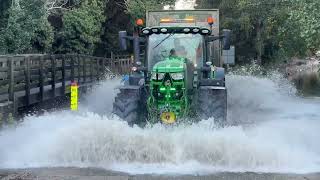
178 73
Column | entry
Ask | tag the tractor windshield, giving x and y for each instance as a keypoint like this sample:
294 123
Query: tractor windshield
187 46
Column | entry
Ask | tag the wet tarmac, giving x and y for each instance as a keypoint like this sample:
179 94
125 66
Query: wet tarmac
101 174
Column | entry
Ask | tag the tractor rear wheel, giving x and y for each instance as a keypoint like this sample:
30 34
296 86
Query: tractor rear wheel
212 103
129 106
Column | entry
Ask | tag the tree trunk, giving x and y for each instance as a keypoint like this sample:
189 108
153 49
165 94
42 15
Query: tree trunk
259 42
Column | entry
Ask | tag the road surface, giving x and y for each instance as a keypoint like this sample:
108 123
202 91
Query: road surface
101 174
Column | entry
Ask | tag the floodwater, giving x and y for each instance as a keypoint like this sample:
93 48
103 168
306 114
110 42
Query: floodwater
272 131
308 84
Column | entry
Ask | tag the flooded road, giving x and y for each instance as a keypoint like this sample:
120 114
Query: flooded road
102 174
308 84
274 134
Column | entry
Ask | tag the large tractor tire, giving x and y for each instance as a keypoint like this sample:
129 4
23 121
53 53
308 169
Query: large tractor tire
129 105
212 103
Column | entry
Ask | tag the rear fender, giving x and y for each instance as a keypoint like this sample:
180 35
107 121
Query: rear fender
218 79
212 82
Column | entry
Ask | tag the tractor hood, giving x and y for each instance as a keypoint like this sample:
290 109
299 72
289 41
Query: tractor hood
170 65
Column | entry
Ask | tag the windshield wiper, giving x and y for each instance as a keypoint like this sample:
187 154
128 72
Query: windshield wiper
171 34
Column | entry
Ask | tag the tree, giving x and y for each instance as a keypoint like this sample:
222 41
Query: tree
27 29
4 7
55 6
116 20
138 8
306 17
82 28
121 15
266 29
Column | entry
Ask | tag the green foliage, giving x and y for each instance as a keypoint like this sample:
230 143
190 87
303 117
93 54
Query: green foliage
82 28
4 7
306 17
27 29
262 29
138 8
270 29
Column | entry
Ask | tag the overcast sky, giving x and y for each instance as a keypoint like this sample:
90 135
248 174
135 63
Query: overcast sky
185 4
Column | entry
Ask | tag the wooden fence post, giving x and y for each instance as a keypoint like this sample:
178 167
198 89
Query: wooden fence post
112 62
123 67
91 68
11 78
116 62
98 69
41 78
27 78
53 75
104 65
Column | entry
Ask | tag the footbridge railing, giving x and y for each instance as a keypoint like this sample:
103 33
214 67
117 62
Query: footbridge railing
29 79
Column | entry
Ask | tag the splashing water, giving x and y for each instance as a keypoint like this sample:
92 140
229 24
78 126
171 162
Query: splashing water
274 131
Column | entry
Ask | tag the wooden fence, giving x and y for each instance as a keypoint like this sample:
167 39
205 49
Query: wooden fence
29 79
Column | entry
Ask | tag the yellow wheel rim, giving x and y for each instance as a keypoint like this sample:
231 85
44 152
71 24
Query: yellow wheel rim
168 117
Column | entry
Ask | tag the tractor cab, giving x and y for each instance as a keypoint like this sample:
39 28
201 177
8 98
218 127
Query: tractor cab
174 45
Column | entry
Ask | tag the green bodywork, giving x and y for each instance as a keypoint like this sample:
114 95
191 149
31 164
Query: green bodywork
168 93
171 64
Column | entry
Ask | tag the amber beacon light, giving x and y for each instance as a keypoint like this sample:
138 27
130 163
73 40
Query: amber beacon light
210 20
139 22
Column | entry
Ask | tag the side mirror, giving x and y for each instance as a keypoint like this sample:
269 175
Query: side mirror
226 39
123 40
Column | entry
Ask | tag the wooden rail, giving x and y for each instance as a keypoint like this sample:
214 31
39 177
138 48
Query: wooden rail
29 79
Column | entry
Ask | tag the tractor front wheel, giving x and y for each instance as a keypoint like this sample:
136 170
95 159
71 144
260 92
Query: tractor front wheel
128 106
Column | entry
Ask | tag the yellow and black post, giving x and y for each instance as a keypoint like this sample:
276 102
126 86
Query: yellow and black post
74 96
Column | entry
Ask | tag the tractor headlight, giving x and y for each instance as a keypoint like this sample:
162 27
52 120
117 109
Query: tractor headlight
177 76
160 76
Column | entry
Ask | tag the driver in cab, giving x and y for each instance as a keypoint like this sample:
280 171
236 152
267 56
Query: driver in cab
180 52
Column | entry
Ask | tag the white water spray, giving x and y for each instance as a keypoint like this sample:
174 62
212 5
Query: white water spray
274 131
